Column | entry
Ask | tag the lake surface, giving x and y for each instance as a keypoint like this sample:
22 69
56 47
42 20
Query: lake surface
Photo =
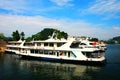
14 68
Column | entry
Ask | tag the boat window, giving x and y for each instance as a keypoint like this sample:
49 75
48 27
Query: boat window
32 51
29 44
75 45
68 54
91 43
57 53
60 44
61 53
51 44
92 54
38 44
36 51
45 44
73 55
82 44
45 52
50 53
40 51
65 53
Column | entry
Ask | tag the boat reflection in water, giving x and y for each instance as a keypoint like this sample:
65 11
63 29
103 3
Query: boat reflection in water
57 71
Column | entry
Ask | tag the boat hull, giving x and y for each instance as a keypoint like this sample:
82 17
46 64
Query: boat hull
82 62
10 52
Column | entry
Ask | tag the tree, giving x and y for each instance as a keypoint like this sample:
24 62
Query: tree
49 31
16 35
29 39
2 36
8 39
94 39
36 36
64 35
45 33
22 35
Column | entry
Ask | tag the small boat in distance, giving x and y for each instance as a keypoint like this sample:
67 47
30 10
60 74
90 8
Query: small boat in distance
70 50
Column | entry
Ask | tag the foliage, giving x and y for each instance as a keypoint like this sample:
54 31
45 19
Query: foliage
117 38
1 36
62 35
29 39
46 33
16 35
22 35
94 39
8 39
114 40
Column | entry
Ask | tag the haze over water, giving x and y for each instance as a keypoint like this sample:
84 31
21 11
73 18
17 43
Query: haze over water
14 68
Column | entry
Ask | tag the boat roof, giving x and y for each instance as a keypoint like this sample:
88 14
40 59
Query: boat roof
51 41
20 41
14 42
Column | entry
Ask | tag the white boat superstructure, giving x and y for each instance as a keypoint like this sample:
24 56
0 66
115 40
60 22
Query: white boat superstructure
92 44
59 50
14 46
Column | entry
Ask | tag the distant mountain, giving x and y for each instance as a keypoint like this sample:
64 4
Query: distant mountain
114 40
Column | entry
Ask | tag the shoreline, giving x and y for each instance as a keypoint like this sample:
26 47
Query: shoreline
2 46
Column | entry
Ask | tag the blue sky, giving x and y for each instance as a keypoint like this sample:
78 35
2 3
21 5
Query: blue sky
93 18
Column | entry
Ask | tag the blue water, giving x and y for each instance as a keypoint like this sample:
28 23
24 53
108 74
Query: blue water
12 67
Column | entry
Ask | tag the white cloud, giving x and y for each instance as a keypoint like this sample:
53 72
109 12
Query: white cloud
27 20
111 8
26 6
62 2
116 27
28 24
33 24
13 5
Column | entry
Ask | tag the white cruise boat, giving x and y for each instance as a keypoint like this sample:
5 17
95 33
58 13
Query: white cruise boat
69 50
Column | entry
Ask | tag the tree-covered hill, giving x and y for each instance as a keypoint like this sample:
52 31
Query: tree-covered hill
114 40
46 33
